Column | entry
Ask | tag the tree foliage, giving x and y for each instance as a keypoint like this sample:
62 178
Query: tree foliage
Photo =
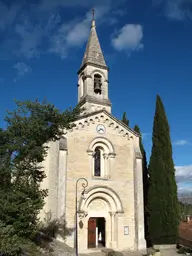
145 178
162 197
22 148
124 119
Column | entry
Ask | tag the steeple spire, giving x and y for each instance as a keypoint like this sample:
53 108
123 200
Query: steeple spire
93 53
93 76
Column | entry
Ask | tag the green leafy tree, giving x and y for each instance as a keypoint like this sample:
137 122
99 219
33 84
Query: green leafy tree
162 197
22 149
145 179
124 119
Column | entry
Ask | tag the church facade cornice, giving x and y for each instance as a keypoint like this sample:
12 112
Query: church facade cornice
88 98
112 117
93 65
106 118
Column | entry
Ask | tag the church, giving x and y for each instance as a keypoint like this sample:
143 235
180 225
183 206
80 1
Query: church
94 172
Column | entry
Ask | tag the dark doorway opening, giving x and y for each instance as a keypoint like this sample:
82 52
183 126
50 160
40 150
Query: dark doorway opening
101 232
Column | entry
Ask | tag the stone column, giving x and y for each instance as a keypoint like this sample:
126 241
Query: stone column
139 205
62 177
113 242
88 85
110 163
91 162
106 165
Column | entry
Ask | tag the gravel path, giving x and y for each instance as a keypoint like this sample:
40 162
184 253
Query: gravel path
164 252
61 249
170 252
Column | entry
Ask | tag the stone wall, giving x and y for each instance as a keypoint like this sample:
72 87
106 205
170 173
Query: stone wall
117 188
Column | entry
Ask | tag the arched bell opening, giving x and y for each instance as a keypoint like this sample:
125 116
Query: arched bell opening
97 84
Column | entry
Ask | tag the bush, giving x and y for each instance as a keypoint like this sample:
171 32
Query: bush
54 227
184 250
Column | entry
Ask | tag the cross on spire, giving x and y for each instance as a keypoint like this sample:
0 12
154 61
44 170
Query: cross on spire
93 14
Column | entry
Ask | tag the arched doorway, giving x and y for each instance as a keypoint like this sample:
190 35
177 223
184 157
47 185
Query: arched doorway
101 207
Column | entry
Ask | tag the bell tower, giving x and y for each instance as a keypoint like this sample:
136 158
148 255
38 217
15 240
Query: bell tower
93 76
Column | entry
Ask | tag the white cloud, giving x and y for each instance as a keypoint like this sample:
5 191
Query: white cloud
22 69
180 142
184 191
30 38
78 34
41 27
183 173
74 33
183 176
129 38
176 9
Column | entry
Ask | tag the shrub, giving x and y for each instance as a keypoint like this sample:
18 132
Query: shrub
54 227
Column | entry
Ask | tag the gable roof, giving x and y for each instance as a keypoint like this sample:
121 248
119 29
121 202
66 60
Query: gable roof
112 117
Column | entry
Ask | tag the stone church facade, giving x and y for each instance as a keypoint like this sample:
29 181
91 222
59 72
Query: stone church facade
105 152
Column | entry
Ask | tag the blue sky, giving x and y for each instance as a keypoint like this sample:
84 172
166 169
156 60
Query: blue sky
147 46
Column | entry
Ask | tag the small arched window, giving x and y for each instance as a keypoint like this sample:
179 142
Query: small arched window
97 162
101 152
97 84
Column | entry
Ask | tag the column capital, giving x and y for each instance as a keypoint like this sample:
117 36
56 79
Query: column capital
112 155
90 152
105 155
112 214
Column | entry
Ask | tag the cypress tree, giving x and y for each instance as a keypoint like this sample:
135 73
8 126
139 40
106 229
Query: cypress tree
145 179
124 119
162 196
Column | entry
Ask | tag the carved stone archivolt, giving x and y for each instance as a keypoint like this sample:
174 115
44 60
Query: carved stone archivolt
97 205
101 197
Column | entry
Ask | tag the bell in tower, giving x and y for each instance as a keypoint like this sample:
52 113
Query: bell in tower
97 84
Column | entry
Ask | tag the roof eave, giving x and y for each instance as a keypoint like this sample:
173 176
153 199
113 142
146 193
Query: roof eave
91 64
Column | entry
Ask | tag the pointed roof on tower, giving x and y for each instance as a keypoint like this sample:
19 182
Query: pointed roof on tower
93 53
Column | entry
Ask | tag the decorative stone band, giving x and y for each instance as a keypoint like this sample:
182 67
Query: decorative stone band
82 214
86 76
106 177
90 99
113 213
88 120
92 64
112 155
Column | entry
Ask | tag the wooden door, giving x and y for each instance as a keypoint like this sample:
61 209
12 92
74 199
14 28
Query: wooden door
92 233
